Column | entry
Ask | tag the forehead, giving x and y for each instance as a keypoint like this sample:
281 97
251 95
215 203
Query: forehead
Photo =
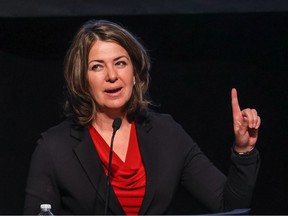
106 48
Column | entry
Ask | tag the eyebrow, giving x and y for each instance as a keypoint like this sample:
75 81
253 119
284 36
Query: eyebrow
101 61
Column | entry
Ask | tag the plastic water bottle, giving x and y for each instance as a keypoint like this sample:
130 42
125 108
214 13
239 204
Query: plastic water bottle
45 210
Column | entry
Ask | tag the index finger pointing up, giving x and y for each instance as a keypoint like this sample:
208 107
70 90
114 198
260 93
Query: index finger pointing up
234 101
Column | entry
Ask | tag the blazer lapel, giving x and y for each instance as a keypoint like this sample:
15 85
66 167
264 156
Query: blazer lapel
91 163
145 140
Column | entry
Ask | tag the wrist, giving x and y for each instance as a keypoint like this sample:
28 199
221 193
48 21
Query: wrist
243 152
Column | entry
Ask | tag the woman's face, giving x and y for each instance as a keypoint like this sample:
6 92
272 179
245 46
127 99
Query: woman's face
110 75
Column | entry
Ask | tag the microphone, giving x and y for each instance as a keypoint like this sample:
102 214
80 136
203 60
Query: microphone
116 125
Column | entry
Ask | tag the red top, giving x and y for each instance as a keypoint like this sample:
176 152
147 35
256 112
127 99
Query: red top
128 178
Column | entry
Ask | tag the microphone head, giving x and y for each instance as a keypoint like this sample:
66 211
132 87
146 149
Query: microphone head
117 123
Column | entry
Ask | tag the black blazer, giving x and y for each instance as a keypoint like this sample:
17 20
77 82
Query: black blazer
66 171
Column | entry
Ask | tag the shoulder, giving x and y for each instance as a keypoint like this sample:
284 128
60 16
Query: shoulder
160 122
162 131
60 127
162 119
63 130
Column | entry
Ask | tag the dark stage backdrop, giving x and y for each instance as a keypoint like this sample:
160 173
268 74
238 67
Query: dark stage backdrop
68 8
197 59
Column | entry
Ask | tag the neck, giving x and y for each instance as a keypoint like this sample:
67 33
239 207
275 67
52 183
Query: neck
104 122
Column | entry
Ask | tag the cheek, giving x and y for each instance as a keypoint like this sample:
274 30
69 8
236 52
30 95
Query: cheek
131 89
130 84
93 79
92 84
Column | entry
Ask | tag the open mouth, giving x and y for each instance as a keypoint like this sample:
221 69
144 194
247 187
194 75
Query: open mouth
113 90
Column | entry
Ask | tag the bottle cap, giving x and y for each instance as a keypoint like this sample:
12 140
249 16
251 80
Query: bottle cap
45 206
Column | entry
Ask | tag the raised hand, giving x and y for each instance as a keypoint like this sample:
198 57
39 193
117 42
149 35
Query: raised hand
246 124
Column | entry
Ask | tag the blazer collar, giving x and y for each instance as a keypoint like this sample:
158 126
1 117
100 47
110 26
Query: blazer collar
91 163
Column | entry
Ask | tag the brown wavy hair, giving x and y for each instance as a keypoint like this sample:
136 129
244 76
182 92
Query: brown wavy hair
79 103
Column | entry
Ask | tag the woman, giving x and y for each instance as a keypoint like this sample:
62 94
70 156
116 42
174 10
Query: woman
107 77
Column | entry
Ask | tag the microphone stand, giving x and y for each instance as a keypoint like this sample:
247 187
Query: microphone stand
116 125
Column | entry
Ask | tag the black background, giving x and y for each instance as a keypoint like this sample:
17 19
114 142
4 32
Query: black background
197 59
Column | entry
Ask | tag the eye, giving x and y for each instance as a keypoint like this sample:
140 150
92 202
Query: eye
96 67
121 64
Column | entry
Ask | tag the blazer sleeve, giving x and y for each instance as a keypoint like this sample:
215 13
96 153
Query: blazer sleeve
211 186
41 184
197 174
241 180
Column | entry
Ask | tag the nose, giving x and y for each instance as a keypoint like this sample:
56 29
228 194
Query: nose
112 74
